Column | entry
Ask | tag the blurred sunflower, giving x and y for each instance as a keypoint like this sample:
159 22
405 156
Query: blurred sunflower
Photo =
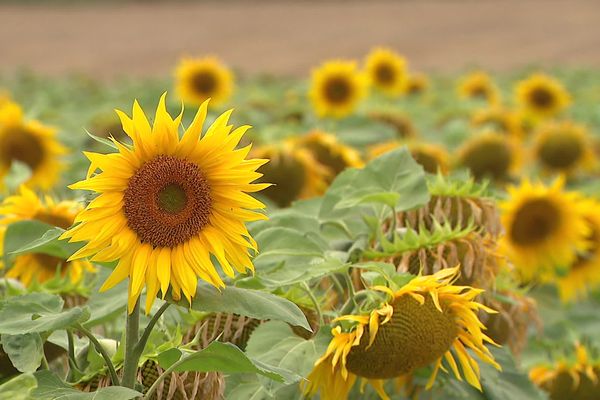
542 95
570 379
498 120
30 143
329 152
479 86
336 88
564 147
433 158
402 124
201 79
425 321
166 204
387 70
417 83
293 173
38 267
545 228
490 155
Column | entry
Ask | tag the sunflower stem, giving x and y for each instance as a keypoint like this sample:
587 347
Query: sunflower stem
74 370
100 349
141 344
315 302
132 330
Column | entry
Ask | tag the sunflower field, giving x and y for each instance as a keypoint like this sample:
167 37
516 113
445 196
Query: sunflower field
365 232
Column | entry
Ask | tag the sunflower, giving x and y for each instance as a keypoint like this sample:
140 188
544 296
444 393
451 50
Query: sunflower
167 204
498 120
583 274
544 227
563 147
542 95
294 173
30 143
479 86
38 267
387 70
431 157
205 78
568 378
336 88
402 124
427 320
490 155
329 152
417 83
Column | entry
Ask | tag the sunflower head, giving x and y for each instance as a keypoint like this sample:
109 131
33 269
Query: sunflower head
542 95
30 143
37 267
427 320
563 147
336 88
167 204
479 86
402 124
387 70
489 155
498 120
544 227
200 79
293 173
417 83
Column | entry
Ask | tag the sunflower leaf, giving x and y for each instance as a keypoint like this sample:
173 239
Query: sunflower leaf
33 236
51 387
18 388
25 351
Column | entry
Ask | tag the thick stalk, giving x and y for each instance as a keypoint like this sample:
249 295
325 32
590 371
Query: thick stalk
132 331
141 344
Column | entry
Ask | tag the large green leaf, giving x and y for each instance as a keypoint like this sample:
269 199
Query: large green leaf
25 351
33 236
222 357
247 302
50 387
18 388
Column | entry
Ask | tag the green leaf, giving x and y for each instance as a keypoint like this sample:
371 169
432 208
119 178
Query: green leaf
106 306
223 357
36 237
25 351
18 388
50 387
247 302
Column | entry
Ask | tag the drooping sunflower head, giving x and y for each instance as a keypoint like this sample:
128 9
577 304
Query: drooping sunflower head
498 120
544 227
490 155
402 124
563 148
329 152
575 376
200 79
479 86
30 143
38 267
336 88
293 173
417 83
424 322
387 70
542 95
168 203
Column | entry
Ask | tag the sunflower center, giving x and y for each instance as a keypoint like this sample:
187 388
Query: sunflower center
167 201
288 177
490 158
429 163
204 82
21 145
49 264
54 219
534 222
416 336
337 89
479 92
594 240
542 97
327 157
560 151
385 74
564 387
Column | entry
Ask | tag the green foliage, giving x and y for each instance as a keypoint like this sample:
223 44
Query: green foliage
32 236
51 387
18 388
25 351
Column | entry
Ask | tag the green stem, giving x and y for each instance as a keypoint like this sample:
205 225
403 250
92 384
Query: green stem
100 349
162 376
353 301
73 369
141 344
315 302
132 331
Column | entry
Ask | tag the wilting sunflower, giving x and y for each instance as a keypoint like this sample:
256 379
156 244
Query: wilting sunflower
168 203
329 152
542 95
583 274
336 88
387 70
38 267
427 320
479 86
498 120
563 147
30 143
577 379
433 158
417 83
490 155
200 79
293 172
544 226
